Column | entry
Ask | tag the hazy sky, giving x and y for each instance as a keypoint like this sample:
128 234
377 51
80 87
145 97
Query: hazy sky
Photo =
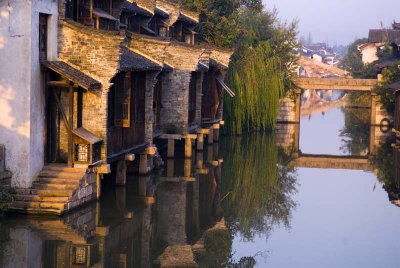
339 21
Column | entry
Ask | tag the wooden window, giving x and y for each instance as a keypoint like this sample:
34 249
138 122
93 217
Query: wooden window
43 37
140 96
111 107
123 99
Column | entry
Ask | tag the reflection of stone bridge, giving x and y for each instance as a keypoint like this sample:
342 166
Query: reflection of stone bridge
313 103
288 138
332 162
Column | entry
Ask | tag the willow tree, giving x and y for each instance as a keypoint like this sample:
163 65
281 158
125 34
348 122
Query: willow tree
258 82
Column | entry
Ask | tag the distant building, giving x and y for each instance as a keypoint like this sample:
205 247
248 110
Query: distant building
377 38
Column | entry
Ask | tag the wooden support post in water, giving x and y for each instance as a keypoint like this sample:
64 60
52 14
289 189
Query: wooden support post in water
216 132
210 136
188 147
170 167
143 164
120 178
199 160
200 141
171 148
71 127
142 189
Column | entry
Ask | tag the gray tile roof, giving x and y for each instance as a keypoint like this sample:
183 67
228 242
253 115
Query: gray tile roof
131 61
133 8
73 74
383 35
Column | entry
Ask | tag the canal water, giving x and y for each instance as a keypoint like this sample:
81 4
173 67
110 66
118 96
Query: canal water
247 201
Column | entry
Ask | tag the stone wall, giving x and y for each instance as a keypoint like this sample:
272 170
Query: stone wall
98 56
86 192
175 101
287 110
151 80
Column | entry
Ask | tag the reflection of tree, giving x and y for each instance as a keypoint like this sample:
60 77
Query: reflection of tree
386 162
257 187
355 132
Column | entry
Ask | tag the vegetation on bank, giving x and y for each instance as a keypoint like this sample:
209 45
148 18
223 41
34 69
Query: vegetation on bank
352 62
262 64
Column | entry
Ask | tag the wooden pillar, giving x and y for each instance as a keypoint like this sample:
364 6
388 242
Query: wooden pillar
143 164
216 132
210 136
71 127
200 141
120 178
188 147
171 148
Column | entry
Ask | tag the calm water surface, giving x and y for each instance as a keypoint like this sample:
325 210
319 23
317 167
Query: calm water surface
240 203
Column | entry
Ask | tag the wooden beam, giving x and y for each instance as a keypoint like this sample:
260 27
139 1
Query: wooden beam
58 84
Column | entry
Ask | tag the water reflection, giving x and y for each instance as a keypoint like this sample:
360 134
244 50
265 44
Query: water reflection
242 203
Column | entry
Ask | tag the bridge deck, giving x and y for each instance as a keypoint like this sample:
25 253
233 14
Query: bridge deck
332 162
350 84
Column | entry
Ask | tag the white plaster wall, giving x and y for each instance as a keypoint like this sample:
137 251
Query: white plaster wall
21 91
369 54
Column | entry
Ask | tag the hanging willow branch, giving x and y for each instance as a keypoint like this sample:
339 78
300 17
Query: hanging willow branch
257 80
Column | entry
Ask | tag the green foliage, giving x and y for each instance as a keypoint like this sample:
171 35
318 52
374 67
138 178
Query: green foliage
258 36
258 82
356 131
352 62
257 185
390 75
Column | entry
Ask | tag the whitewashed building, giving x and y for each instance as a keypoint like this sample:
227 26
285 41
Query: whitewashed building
28 33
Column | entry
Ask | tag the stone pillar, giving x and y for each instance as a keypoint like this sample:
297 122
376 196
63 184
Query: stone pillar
120 198
216 132
143 164
170 167
210 136
142 189
374 100
200 141
188 147
298 104
151 80
120 178
171 148
199 94
187 168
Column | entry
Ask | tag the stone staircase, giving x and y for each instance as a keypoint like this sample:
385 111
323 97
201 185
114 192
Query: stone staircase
56 190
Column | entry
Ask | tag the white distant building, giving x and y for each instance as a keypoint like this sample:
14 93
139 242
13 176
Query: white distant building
377 38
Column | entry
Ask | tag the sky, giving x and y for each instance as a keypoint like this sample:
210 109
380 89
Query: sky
337 21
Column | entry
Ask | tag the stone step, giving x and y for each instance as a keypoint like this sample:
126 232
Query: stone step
53 186
62 168
36 198
38 205
37 211
49 180
44 193
61 174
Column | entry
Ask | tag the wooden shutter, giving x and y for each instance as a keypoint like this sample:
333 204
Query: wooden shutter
85 10
123 100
